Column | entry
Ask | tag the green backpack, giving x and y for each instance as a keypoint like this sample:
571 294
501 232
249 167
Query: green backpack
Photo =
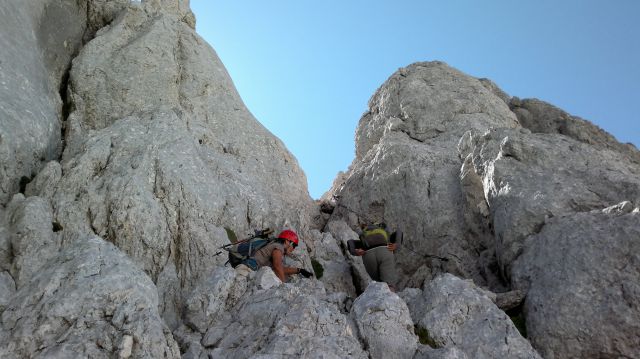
242 252
375 235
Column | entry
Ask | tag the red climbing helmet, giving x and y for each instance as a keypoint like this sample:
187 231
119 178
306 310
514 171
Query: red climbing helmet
290 235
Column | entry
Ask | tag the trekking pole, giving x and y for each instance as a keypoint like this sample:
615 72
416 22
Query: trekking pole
257 234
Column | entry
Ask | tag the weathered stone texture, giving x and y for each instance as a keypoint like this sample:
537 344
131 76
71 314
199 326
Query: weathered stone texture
342 233
541 117
384 323
33 61
454 313
336 271
120 122
272 320
88 303
582 272
406 171
161 152
31 237
528 178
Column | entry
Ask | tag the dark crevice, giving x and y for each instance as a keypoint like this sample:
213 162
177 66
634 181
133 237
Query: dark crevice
356 283
64 84
56 227
66 108
24 180
518 318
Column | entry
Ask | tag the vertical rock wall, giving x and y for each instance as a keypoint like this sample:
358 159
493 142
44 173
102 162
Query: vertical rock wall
158 156
406 171
38 41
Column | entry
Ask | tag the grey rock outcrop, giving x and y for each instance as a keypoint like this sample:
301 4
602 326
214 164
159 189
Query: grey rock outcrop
336 271
90 302
541 117
7 289
161 152
120 122
31 237
38 40
341 231
272 320
211 298
582 274
426 352
159 161
384 323
406 171
529 178
453 313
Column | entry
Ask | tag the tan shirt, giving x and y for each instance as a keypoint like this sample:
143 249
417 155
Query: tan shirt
263 255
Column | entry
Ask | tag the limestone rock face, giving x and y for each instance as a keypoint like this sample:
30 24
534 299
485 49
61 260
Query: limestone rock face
406 171
342 233
582 276
7 289
426 352
384 323
90 302
529 178
541 117
209 300
38 40
161 152
335 269
268 319
31 237
119 122
453 313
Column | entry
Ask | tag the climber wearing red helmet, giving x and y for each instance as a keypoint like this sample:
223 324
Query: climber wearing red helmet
273 255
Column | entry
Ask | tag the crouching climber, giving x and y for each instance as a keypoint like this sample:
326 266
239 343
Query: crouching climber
260 251
376 246
273 254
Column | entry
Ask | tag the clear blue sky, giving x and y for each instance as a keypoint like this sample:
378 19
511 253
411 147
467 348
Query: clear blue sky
307 69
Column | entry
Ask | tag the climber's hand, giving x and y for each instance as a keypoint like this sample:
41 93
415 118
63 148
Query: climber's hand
305 273
360 252
392 247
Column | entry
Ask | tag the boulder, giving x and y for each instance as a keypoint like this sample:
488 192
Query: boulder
406 170
582 275
31 237
342 234
329 260
46 181
208 301
90 302
454 313
510 300
293 319
384 323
